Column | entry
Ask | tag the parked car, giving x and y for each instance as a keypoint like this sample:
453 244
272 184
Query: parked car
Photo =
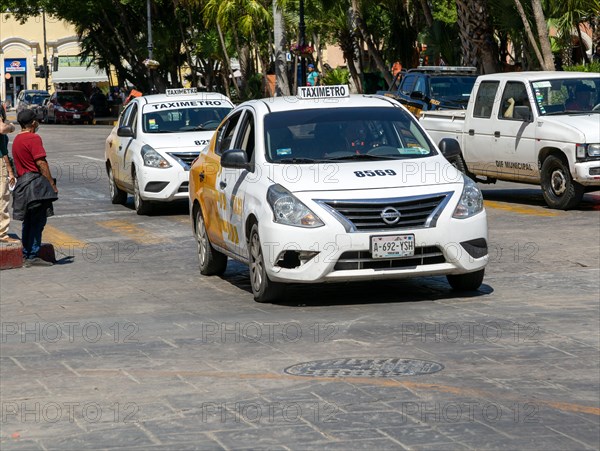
69 106
32 99
433 88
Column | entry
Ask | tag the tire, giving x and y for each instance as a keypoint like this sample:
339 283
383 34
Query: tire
142 207
117 195
262 288
211 261
560 190
466 282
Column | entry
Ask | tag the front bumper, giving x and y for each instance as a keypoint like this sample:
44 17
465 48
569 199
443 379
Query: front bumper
63 116
587 173
454 246
163 185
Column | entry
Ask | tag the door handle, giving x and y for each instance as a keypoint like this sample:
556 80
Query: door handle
201 176
496 134
120 147
223 184
472 132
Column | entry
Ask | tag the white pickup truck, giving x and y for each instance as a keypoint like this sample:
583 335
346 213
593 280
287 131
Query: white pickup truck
541 128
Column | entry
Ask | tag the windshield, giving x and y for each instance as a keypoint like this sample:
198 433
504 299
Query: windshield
455 88
71 97
567 96
178 120
337 134
38 99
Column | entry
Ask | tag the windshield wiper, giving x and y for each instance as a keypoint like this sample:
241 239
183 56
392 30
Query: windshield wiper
295 160
363 156
558 113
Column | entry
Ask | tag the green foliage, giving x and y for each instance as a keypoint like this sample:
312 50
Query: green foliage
337 76
592 67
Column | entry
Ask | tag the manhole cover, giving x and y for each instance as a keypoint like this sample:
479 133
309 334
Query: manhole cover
353 367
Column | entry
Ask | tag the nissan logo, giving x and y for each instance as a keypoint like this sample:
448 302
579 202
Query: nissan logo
390 215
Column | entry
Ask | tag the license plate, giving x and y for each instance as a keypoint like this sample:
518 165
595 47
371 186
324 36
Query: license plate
76 116
392 246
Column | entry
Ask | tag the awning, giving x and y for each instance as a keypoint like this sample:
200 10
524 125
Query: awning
78 74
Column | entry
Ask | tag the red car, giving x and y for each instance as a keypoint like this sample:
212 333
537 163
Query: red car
69 106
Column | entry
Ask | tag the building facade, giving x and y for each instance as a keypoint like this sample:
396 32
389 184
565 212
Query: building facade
22 52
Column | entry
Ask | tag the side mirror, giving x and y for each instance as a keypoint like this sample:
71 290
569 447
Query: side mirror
417 95
125 131
450 148
235 159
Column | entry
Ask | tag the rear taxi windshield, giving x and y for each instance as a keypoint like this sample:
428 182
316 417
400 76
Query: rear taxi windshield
183 120
337 134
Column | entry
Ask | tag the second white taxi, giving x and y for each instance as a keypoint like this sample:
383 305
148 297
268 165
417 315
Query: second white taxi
150 150
332 187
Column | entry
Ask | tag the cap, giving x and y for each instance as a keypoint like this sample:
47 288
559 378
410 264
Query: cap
25 117
312 66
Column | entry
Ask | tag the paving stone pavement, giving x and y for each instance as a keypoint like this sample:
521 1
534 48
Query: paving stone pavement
125 346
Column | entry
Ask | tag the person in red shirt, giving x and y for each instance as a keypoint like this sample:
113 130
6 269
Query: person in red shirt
35 190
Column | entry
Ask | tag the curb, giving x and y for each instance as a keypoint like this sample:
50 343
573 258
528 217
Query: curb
11 254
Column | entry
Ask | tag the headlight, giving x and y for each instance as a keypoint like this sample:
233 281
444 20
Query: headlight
89 109
471 200
289 210
153 159
587 150
60 108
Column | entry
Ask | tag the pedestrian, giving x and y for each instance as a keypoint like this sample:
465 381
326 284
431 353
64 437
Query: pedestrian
313 76
7 177
35 189
396 68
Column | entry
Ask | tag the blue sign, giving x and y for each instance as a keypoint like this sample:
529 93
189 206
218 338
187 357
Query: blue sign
15 65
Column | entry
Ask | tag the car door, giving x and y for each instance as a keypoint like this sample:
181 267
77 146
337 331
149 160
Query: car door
478 139
214 207
514 134
126 147
232 184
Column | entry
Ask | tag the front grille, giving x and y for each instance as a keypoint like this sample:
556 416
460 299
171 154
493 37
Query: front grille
403 212
185 159
353 260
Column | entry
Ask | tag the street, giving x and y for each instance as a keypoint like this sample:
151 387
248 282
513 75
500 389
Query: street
123 344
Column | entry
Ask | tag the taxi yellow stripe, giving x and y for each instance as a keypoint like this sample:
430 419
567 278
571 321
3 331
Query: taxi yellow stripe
132 231
519 209
60 239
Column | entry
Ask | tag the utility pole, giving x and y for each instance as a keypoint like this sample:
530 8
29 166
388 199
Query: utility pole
45 50
150 46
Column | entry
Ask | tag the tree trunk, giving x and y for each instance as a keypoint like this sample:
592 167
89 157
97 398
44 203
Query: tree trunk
477 36
227 66
282 84
547 58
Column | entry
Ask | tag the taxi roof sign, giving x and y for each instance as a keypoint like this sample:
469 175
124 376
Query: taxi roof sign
178 91
323 92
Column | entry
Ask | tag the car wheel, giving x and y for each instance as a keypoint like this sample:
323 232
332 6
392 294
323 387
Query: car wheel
117 195
559 189
142 207
263 289
466 282
211 261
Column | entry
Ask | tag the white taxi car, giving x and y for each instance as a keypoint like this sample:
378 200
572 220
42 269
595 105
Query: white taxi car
329 187
150 151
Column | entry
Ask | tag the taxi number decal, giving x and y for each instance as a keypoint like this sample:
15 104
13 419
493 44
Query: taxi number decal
380 172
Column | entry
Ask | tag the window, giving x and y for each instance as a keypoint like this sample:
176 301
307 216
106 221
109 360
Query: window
484 101
246 135
123 120
515 103
408 84
226 134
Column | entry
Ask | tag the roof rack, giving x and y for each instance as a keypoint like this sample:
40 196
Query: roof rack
467 69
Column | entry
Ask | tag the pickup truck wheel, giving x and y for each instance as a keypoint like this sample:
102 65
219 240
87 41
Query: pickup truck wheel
559 189
466 282
211 261
262 288
117 195
142 207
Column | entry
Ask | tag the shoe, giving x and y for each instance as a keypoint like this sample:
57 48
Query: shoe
9 240
36 262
